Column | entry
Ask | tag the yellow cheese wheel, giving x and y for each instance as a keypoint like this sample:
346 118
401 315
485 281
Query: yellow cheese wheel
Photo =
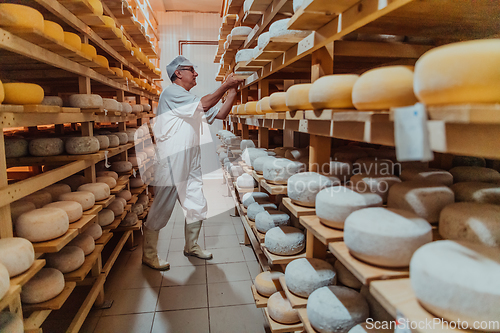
73 40
22 93
240 109
465 72
54 30
383 88
21 16
277 101
117 71
265 107
89 50
108 21
333 91
128 45
297 97
102 61
2 93
118 33
234 109
127 75
251 107
96 7
157 71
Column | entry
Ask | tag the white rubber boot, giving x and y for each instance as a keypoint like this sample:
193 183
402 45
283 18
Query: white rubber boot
149 251
191 233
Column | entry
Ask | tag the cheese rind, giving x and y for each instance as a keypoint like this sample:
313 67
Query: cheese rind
474 174
280 170
267 283
39 198
85 198
285 240
72 208
20 207
85 242
428 174
68 259
85 101
241 31
94 230
22 93
45 285
107 180
125 194
117 207
15 147
380 185
73 181
54 30
250 198
333 91
129 220
303 187
477 192
46 147
305 275
17 254
277 102
268 219
345 277
4 281
101 191
89 50
280 309
297 97
105 217
22 16
42 224
73 40
11 322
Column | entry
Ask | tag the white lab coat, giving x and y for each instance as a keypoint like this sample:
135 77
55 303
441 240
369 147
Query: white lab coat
178 175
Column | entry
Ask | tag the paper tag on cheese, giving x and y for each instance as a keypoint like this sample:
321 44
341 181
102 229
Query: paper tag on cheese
106 164
402 324
133 172
411 135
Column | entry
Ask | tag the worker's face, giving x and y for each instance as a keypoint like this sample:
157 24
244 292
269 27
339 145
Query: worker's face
188 76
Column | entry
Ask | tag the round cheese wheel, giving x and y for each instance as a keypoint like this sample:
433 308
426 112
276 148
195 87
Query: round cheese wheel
82 145
103 141
263 40
136 182
96 7
68 259
137 108
425 199
303 187
11 322
45 285
146 107
105 217
383 88
53 30
457 281
89 50
111 174
122 136
114 141
72 208
150 151
280 170
22 93
73 181
265 106
430 175
251 107
336 309
39 198
85 198
267 283
269 219
236 171
117 207
305 275
143 199
20 207
73 40
110 181
380 185
335 204
101 61
385 237
241 31
474 192
17 255
42 224
16 147
110 104
122 200
22 16
244 144
129 220
296 154
285 240
125 194
333 91
126 107
136 161
250 198
85 242
46 147
280 29
468 161
137 208
474 174
56 190
280 309
345 276
101 191
467 72
297 97
118 72
244 55
256 208
85 101
240 109
246 181
277 102
94 230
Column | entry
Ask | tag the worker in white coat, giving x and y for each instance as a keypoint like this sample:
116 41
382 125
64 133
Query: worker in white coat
178 175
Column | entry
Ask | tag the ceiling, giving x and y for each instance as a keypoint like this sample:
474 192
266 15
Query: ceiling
203 6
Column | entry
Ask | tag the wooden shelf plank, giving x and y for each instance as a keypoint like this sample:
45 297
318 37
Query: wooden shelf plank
93 211
242 190
305 321
104 239
54 304
296 301
11 295
118 188
466 113
134 227
257 177
116 222
282 328
22 278
90 260
105 203
365 273
296 210
83 223
320 231
138 190
260 301
56 244
281 260
273 189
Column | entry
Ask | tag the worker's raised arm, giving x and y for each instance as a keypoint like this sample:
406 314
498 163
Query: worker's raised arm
208 101
228 104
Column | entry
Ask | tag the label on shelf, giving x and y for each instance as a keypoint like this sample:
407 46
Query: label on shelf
411 134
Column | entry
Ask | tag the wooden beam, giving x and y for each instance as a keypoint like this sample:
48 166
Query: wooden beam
319 153
6 229
322 62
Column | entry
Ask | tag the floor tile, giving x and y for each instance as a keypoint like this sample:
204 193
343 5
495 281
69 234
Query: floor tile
254 268
228 255
128 301
182 297
177 258
241 319
184 275
163 245
227 272
136 323
178 232
230 293
185 321
177 244
220 230
141 277
221 242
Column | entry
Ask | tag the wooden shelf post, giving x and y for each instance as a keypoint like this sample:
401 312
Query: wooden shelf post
322 62
319 153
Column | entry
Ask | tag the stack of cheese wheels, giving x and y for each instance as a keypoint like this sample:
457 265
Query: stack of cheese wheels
297 97
42 224
383 88
335 204
336 309
280 170
85 198
475 174
250 198
73 209
303 187
271 218
465 72
246 181
425 199
385 237
46 147
53 30
305 275
85 101
15 147
20 16
256 208
374 184
45 285
251 107
19 207
441 273
73 181
94 230
267 283
68 259
17 255
82 145
39 198
475 192
280 309
341 169
428 174
332 92
11 322
345 277
472 222
285 240
244 144
22 93
277 102
105 217
101 191
85 242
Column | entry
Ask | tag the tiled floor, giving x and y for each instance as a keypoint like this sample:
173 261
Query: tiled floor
194 295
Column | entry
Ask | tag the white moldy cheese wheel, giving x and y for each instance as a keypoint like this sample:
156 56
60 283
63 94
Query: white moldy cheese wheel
103 141
17 254
474 174
374 184
82 145
241 31
20 207
105 217
74 181
277 102
467 71
280 29
269 219
236 170
11 322
72 208
335 204
107 180
305 275
263 40
428 174
122 136
473 222
246 181
250 198
4 281
345 277
458 281
112 174
68 259
333 92
101 191
136 182
85 101
56 190
121 166
110 104
473 192
117 207
280 170
280 309
249 155
114 141
42 224
39 198
16 147
285 240
85 242
244 144
336 309
45 285
267 283
383 88
422 198
94 230
85 198
297 97
303 187
46 147
125 194
385 237
256 208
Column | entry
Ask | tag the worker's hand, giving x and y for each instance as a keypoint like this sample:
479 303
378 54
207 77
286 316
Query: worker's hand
232 81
